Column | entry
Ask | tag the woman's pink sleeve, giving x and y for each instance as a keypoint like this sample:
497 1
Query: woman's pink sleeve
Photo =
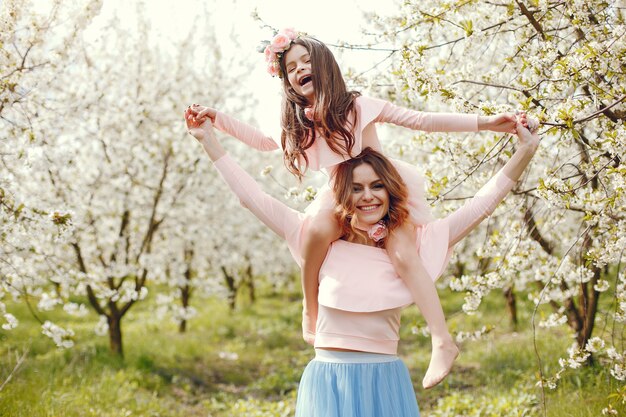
479 207
426 121
244 132
283 220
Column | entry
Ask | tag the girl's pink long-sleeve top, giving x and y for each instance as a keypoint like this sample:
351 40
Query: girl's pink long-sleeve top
368 112
360 294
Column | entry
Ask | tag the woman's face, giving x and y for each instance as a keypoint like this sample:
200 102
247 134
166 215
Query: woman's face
369 195
298 68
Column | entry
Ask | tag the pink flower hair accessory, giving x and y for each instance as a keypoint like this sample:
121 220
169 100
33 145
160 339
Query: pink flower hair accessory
274 49
378 231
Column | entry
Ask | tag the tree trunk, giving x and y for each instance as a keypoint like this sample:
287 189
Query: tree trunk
588 300
511 304
588 303
250 280
185 293
232 288
115 334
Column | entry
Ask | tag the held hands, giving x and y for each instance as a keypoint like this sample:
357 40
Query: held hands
202 130
504 122
527 134
199 112
199 127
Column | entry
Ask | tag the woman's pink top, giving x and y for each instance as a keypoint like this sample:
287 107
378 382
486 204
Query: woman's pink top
360 294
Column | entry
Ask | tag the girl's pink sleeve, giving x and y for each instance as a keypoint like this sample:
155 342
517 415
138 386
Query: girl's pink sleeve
479 207
283 220
426 121
244 132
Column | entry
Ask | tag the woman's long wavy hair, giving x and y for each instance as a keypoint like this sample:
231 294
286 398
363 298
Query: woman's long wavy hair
332 108
342 188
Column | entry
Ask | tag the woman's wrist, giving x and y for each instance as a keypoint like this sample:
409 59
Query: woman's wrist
529 147
212 147
204 141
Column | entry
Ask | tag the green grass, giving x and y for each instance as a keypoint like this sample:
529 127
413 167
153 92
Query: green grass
165 373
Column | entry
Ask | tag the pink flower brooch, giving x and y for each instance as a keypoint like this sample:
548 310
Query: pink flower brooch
378 231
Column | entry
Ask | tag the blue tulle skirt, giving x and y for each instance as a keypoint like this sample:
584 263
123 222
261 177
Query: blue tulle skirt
356 384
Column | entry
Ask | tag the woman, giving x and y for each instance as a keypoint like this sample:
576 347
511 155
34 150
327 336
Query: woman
356 371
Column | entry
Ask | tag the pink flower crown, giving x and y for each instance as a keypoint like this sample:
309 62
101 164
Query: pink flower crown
275 49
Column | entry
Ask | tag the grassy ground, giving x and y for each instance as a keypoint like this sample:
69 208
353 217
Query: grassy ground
248 363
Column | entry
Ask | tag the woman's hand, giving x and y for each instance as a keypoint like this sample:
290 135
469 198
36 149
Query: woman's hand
199 112
528 143
526 136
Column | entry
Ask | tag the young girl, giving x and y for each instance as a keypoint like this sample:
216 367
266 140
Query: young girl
324 124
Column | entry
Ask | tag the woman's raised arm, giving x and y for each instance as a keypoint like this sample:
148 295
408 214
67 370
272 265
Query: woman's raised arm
466 218
283 220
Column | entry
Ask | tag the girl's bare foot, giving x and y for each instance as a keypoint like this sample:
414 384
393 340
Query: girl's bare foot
443 355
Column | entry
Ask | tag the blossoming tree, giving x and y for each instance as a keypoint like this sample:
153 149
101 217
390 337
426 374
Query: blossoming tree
562 62
33 52
105 195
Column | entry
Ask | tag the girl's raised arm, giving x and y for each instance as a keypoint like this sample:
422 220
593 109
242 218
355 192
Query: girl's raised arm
249 135
446 122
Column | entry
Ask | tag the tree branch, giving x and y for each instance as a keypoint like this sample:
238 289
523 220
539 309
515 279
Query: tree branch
93 300
531 18
533 231
153 224
593 115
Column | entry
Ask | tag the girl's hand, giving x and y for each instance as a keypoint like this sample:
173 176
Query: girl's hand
504 123
199 112
197 127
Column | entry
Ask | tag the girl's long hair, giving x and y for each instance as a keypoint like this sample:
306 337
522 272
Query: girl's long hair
332 108
342 188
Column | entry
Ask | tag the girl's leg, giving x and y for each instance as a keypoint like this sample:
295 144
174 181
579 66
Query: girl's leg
401 248
323 229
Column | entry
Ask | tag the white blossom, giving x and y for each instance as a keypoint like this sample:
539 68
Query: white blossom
619 371
555 319
595 344
78 310
609 411
61 337
602 285
11 321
